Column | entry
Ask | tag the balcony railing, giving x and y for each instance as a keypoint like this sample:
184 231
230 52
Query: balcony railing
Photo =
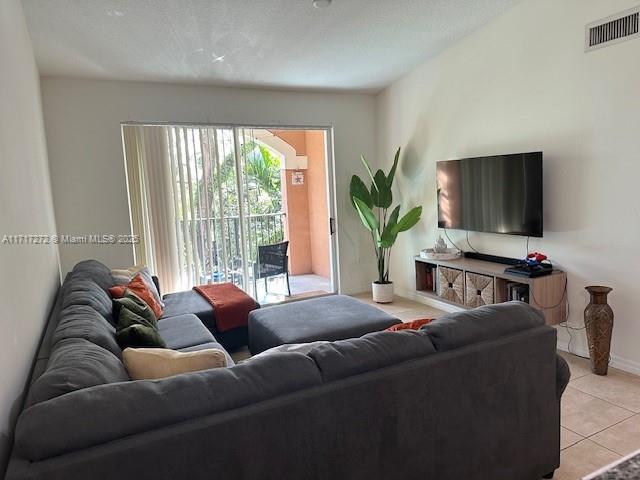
218 237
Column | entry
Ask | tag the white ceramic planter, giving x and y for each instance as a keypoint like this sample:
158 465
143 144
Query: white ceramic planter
382 292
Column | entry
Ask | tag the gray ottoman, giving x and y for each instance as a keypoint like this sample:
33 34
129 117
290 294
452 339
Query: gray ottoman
334 317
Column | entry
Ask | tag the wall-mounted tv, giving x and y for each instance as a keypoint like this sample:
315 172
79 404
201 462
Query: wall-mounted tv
497 194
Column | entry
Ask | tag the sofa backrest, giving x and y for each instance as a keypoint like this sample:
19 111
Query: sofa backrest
76 364
95 271
345 358
489 322
103 413
79 349
461 411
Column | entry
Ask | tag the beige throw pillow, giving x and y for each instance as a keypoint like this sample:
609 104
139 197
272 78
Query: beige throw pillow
150 363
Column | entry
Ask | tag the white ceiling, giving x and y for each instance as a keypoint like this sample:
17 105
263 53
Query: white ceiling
352 44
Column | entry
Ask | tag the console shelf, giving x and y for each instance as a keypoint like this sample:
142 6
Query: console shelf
468 283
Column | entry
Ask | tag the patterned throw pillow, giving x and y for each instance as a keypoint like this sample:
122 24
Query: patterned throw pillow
136 305
124 276
414 325
140 288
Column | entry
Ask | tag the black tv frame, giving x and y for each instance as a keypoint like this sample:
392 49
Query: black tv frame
535 235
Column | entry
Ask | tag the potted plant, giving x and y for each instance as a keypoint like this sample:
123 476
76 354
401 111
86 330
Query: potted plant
373 204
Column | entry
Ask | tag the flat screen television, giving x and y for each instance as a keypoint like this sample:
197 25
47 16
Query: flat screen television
497 194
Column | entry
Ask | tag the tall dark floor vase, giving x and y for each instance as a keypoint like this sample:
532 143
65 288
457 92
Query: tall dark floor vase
598 320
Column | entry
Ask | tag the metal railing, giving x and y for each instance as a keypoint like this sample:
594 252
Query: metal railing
216 237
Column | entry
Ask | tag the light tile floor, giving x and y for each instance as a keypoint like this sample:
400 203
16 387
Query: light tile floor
600 416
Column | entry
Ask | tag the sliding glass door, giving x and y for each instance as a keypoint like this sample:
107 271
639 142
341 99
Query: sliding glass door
206 199
226 189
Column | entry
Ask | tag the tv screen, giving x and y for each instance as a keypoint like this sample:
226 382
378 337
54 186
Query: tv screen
498 194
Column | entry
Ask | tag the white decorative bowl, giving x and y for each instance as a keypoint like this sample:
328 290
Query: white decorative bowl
450 254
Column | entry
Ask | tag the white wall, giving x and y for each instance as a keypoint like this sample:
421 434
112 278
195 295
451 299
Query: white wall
524 83
29 274
83 119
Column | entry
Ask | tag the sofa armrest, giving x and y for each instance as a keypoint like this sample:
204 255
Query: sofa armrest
563 374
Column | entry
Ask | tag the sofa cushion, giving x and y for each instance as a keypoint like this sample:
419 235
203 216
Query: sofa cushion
75 364
189 301
82 321
79 291
334 317
152 363
205 346
489 322
183 331
108 412
376 350
95 271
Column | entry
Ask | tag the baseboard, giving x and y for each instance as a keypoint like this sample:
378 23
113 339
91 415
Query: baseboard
431 302
624 364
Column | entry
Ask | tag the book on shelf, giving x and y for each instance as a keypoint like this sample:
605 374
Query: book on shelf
518 291
429 283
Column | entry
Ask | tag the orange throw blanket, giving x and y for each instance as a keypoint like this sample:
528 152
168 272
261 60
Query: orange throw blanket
231 306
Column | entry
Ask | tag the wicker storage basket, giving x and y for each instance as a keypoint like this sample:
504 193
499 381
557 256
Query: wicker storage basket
451 284
479 290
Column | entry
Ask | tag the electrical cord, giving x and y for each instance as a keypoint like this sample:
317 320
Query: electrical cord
451 241
570 328
564 295
527 252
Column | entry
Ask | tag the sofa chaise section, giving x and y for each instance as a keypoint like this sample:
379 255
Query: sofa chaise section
191 302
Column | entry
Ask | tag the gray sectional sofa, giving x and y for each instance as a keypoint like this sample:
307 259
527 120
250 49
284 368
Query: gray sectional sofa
474 395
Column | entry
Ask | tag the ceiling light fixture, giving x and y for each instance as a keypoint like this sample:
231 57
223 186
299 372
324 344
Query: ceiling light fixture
321 3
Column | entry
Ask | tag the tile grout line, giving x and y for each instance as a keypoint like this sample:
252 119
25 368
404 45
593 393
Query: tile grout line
618 423
606 401
601 446
582 437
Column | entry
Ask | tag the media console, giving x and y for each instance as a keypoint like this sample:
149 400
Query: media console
469 283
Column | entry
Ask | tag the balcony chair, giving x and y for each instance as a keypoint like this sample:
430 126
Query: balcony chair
272 261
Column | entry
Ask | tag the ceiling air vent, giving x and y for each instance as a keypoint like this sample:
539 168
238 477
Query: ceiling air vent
614 29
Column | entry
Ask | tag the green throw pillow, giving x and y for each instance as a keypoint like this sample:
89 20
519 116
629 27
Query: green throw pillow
138 336
134 330
128 317
135 304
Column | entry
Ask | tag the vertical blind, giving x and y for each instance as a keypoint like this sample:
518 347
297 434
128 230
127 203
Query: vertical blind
194 193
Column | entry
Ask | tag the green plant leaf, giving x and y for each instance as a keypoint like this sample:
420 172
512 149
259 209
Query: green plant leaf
358 189
408 220
367 216
380 191
369 171
393 218
392 172
388 237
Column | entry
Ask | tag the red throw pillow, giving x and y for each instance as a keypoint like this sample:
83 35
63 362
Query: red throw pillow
139 287
415 325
